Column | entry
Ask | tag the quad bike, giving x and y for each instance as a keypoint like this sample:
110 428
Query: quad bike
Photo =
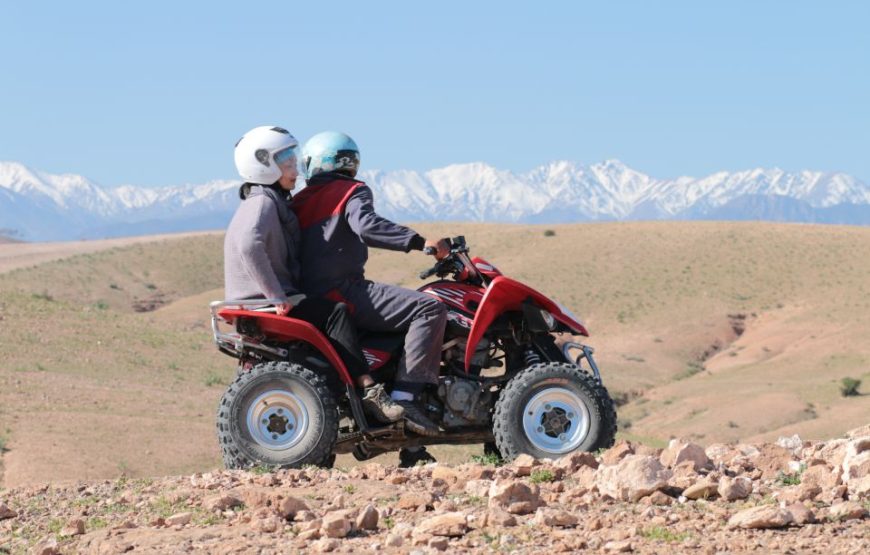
504 380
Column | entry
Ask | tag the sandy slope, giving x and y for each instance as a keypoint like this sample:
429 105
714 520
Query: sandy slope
20 255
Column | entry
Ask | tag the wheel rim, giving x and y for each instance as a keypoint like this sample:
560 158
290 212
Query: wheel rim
277 420
556 420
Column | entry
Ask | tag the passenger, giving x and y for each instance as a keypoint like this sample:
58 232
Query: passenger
261 255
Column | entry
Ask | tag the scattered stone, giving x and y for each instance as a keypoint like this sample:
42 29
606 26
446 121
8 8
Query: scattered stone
438 543
524 464
515 496
554 517
75 527
659 498
623 546
447 524
179 519
6 512
47 547
801 514
680 450
702 489
570 463
368 518
856 461
289 507
847 510
415 500
634 477
763 516
220 503
335 526
478 488
325 545
732 489
498 517
618 452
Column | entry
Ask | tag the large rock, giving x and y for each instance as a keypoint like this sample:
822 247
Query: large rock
856 461
447 524
288 507
680 450
763 516
514 496
732 489
634 477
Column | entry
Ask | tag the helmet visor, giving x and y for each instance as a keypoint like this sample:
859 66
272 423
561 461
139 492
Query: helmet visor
290 159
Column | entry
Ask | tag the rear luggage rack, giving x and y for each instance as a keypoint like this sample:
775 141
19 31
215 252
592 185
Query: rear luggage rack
235 344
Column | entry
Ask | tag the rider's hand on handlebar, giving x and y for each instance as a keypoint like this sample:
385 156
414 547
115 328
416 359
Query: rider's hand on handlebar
441 246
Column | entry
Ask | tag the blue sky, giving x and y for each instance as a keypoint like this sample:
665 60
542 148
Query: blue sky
156 93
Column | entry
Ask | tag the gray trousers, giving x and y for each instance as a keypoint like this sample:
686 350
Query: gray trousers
387 308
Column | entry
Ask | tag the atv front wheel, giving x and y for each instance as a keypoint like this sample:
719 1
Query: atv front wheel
277 414
549 410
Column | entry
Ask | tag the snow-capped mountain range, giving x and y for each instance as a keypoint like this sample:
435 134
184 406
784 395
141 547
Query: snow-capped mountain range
37 206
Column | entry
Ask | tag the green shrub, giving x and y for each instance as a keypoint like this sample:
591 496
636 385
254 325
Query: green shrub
849 387
549 233
543 475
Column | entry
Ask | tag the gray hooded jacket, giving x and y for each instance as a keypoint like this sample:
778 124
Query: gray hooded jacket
261 248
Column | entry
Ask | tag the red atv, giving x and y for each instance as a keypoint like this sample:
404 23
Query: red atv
504 382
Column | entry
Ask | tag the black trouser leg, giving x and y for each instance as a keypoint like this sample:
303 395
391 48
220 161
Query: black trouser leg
334 320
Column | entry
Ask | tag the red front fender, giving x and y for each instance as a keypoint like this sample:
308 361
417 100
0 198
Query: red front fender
283 328
505 294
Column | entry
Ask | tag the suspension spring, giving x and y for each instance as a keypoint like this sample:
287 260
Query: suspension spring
531 357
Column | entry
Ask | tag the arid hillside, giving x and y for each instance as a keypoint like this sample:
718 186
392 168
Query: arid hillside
710 331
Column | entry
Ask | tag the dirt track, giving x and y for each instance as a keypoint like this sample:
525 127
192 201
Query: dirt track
22 255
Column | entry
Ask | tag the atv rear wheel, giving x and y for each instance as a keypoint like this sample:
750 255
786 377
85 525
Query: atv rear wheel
277 414
549 410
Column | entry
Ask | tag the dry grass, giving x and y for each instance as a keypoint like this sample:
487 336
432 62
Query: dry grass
91 388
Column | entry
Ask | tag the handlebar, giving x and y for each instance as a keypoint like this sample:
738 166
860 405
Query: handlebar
456 261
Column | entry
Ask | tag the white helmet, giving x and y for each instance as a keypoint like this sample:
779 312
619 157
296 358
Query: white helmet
261 150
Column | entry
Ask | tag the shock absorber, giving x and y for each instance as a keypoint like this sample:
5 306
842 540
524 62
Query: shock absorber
531 357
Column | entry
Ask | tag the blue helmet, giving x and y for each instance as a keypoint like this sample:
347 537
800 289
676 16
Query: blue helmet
331 151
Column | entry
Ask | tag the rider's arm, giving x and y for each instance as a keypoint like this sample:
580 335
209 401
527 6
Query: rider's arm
252 245
377 231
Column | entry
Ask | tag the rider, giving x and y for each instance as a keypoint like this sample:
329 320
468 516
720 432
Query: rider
339 223
261 251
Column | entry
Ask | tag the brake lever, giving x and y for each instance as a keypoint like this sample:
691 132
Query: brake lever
430 272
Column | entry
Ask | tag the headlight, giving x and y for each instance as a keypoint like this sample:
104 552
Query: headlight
549 319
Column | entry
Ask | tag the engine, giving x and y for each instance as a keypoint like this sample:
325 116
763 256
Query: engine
466 402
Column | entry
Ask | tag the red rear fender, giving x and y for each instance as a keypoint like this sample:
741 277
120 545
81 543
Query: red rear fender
505 294
283 328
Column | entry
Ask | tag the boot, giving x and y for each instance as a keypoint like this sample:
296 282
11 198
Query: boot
417 421
412 456
377 403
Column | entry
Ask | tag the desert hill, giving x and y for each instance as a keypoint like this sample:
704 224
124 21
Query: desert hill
712 331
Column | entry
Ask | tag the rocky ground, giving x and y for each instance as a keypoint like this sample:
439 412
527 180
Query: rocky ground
789 497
